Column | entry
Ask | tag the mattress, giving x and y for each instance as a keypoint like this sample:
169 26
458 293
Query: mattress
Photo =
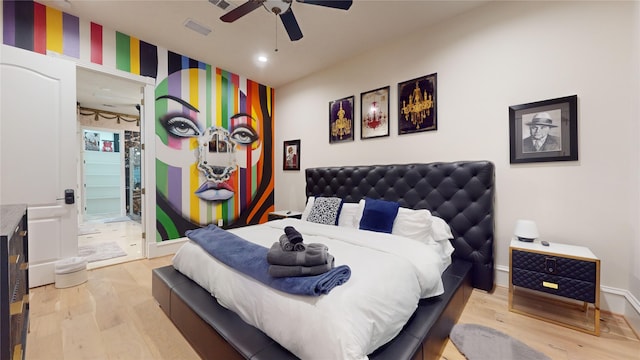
389 275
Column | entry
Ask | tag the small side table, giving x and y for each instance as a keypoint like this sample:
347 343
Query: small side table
571 274
283 214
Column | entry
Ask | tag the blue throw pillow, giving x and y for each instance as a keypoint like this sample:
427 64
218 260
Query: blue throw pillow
378 215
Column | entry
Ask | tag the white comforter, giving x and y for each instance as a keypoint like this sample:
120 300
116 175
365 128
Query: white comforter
389 274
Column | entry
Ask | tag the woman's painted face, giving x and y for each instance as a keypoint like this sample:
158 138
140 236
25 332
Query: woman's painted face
216 151
199 145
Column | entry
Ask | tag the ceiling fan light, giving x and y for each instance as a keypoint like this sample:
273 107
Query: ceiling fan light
277 6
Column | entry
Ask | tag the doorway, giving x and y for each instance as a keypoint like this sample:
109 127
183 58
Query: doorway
110 213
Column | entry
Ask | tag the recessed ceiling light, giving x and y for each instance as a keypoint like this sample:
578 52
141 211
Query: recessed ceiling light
262 58
201 29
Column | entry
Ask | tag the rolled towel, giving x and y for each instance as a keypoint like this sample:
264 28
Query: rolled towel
299 247
314 254
294 235
285 245
278 271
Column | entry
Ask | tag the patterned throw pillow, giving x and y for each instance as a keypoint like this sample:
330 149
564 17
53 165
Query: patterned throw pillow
325 210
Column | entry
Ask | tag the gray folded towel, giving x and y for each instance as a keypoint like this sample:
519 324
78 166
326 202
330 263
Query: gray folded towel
278 271
285 244
294 235
314 254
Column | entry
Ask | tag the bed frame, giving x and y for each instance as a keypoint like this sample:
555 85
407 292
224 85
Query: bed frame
462 193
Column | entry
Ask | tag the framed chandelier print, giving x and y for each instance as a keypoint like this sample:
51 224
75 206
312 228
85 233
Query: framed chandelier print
341 120
374 113
417 105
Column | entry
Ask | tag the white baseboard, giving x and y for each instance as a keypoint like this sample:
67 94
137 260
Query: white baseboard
164 248
42 274
614 300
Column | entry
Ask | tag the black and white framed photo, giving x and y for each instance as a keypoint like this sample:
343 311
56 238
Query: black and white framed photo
374 113
544 130
291 156
341 120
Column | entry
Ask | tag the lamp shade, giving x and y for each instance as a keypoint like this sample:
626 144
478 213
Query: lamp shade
526 230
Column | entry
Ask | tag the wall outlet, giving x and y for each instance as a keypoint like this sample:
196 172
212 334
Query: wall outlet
220 222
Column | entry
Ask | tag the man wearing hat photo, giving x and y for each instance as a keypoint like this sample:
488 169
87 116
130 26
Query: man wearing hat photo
539 139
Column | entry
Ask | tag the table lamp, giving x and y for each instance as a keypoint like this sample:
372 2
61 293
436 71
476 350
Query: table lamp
526 230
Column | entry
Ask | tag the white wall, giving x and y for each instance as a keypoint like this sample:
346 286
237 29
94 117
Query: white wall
502 54
634 277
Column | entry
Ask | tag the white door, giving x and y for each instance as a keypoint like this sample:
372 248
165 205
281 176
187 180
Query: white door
38 153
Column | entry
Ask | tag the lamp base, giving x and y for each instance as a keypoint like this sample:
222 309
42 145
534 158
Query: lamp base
525 239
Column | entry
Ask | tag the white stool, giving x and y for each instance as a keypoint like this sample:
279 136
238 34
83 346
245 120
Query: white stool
71 272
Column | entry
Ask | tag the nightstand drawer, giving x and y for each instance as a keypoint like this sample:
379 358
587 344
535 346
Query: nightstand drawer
557 285
556 265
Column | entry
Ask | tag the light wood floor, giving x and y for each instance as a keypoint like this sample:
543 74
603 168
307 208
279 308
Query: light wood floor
114 316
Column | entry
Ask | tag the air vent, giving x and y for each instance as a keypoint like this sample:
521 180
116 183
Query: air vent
201 29
222 4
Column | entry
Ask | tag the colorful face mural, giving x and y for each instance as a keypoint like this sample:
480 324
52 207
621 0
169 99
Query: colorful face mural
219 150
210 141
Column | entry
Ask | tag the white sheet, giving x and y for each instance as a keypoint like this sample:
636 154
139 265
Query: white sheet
389 274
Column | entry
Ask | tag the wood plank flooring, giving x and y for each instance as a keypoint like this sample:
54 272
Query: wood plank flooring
114 316
111 316
617 341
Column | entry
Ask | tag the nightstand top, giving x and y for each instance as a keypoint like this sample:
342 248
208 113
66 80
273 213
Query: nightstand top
285 213
554 247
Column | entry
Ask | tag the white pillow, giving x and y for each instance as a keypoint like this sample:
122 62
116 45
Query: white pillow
307 209
446 250
413 224
440 229
348 214
359 212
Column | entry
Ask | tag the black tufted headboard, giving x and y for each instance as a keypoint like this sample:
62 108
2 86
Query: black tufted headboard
462 193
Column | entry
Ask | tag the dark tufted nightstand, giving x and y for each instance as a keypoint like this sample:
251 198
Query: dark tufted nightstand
571 274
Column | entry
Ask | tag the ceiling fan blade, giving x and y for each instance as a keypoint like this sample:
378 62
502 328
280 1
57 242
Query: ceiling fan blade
291 25
241 10
336 4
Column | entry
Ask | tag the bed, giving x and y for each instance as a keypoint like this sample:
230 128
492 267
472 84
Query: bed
460 193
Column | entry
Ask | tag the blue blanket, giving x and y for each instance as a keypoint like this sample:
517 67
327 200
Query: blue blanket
251 259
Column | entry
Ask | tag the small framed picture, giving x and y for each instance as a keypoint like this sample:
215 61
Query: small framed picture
544 130
291 159
418 105
91 141
374 113
341 120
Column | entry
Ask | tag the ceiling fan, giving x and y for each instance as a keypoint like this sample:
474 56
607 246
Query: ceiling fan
283 9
